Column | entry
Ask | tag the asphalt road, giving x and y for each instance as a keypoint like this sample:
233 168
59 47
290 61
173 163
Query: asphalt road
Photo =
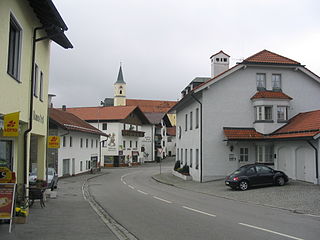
151 211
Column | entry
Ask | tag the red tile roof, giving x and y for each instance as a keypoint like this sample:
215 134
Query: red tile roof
158 106
301 126
270 94
102 113
307 121
266 56
71 122
242 133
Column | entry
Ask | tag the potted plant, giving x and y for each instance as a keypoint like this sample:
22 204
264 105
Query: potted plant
21 214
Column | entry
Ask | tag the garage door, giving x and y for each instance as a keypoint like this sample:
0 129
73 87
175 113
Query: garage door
305 164
284 156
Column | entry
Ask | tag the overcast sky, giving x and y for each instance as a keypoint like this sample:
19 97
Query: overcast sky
164 44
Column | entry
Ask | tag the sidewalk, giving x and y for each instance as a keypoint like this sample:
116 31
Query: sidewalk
296 196
68 217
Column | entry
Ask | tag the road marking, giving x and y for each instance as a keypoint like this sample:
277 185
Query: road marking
142 192
130 186
267 230
124 182
311 215
198 211
161 199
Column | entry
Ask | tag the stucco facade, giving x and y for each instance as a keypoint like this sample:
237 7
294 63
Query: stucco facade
226 102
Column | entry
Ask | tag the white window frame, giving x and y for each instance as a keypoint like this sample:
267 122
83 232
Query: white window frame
276 81
282 113
261 113
264 154
14 48
261 81
244 154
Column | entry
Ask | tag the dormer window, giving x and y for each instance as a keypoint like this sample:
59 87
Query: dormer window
282 113
276 82
217 59
261 81
263 113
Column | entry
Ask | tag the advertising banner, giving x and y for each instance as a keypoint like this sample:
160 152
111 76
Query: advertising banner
11 125
53 142
6 200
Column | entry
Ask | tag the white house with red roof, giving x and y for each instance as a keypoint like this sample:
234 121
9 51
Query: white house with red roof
79 149
264 109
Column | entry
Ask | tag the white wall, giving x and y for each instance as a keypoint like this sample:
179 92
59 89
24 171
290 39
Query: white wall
79 154
148 143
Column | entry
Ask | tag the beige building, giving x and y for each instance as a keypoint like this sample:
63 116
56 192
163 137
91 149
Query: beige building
26 31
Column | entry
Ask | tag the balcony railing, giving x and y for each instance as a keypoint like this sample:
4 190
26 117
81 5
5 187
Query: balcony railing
132 133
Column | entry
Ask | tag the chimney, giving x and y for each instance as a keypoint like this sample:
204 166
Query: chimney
64 108
50 96
219 63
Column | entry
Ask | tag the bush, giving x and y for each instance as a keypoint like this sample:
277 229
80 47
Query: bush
177 165
184 170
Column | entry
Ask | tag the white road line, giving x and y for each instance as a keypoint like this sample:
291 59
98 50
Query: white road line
198 211
311 215
142 192
267 230
130 186
161 199
124 182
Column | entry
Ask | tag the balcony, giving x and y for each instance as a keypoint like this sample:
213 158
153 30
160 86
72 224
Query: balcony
132 133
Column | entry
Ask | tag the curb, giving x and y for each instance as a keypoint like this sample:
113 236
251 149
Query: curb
259 204
116 228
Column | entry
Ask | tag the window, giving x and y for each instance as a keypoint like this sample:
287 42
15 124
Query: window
124 126
104 126
197 158
177 157
251 171
186 156
186 123
124 144
197 117
261 81
169 139
14 51
130 144
120 91
70 143
163 143
263 113
64 141
190 120
136 144
181 156
97 143
265 153
217 59
268 113
282 113
244 155
87 143
263 169
81 142
276 81
35 80
225 59
41 87
80 166
191 160
91 143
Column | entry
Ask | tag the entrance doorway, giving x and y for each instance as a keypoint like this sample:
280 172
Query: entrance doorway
6 154
66 167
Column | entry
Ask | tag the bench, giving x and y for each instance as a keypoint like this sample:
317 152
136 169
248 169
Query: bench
36 193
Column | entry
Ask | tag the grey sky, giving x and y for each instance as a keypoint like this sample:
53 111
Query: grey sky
164 44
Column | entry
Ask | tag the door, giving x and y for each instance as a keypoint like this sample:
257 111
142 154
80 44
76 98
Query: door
283 156
66 167
265 175
305 164
116 161
6 154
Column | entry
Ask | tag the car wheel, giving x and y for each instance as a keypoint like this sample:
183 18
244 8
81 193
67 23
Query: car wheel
243 185
280 181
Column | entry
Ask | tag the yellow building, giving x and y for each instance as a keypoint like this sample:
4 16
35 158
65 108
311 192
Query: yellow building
27 28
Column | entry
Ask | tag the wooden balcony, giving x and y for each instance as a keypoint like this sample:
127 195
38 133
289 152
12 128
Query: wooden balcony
132 133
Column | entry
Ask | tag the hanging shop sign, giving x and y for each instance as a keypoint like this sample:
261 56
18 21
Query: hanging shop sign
7 193
11 124
53 142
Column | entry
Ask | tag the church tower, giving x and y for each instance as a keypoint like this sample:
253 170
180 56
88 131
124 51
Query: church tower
120 90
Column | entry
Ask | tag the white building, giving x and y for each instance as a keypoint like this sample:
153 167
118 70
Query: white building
245 114
79 150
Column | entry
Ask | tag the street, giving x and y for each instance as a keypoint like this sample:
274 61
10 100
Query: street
151 210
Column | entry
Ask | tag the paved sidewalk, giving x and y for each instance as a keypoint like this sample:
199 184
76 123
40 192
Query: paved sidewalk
296 196
68 217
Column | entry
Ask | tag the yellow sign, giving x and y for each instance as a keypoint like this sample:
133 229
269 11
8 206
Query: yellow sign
11 125
53 142
6 176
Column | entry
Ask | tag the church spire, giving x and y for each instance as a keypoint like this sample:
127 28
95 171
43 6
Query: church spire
120 90
120 76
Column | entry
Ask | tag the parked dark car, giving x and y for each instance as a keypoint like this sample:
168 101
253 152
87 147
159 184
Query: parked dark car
255 175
